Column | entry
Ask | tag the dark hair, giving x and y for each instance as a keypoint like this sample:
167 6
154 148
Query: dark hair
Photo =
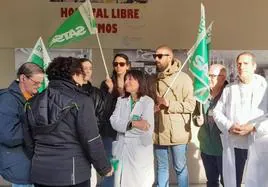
248 54
122 56
114 74
139 76
151 86
29 69
64 67
81 60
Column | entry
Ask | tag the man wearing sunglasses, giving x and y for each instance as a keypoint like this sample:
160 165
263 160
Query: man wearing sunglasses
14 165
173 112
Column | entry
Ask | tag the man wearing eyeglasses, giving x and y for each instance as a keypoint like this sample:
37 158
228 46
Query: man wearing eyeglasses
209 133
14 165
173 112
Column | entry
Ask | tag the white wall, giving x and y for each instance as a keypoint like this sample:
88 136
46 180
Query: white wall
238 24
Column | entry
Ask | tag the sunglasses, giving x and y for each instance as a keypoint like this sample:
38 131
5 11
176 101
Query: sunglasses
121 64
159 55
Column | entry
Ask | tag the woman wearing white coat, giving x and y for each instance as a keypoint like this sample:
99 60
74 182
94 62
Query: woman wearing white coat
133 119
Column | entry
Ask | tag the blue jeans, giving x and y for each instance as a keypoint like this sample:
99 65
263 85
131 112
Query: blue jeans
213 169
107 142
22 185
179 164
240 160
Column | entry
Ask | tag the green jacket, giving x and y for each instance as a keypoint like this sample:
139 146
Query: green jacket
209 133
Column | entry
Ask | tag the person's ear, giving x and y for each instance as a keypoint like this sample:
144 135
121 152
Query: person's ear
22 78
255 66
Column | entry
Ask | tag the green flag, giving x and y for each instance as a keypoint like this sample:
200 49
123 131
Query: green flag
209 35
199 62
40 57
78 26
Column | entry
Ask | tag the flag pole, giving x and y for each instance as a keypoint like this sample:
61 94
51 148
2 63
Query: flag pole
98 39
177 74
103 59
187 59
184 63
201 109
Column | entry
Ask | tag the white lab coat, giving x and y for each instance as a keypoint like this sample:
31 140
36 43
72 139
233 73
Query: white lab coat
134 148
225 115
256 175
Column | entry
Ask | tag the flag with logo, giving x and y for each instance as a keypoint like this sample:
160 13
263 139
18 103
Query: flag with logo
78 26
199 62
39 56
209 35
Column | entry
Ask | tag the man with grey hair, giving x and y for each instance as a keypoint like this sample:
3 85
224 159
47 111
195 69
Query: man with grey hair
241 102
14 164
209 133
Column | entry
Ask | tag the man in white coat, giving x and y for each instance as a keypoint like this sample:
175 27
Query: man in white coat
241 102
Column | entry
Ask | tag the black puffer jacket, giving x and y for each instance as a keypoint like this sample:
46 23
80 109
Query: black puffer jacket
62 135
96 95
109 100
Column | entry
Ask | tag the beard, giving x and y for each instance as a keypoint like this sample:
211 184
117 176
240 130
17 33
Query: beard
160 67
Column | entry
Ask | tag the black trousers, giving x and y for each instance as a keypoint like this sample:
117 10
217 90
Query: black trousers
240 160
213 169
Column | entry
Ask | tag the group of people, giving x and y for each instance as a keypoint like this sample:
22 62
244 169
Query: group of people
53 138
50 139
234 115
